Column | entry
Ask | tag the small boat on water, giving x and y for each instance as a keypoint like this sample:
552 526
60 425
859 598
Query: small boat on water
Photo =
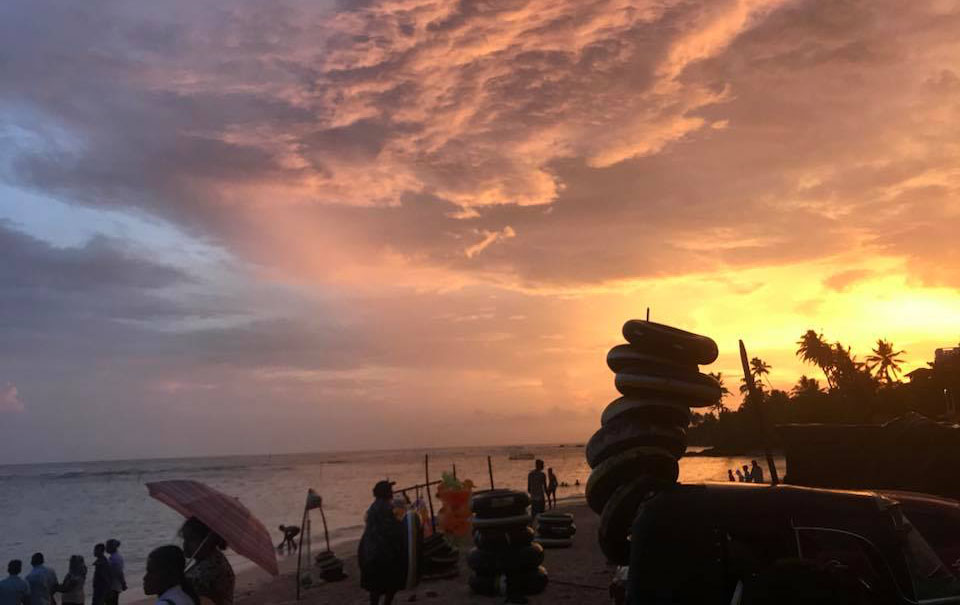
521 455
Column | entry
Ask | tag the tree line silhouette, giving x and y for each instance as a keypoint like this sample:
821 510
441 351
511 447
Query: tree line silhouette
856 392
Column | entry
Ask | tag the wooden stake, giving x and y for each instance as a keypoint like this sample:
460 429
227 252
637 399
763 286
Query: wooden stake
490 470
426 472
648 313
758 404
303 525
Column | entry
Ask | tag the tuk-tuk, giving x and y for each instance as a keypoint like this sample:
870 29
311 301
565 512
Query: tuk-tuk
715 543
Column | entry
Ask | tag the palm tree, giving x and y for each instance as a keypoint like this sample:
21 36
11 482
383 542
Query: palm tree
813 348
807 386
718 407
885 361
759 368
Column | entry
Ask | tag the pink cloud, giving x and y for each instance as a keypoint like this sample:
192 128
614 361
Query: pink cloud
10 401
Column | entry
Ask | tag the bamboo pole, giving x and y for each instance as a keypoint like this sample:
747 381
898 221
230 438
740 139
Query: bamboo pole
426 472
303 524
490 470
758 404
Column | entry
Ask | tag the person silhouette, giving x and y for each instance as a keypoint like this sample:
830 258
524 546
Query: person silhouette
730 475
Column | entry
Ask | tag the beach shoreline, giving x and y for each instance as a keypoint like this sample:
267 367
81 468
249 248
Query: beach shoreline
579 573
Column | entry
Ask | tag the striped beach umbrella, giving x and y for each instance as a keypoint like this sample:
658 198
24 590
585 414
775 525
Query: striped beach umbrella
223 514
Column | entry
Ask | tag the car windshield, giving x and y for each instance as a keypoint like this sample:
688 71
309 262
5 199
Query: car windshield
932 578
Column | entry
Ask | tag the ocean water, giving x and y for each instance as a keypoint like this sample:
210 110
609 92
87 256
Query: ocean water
64 509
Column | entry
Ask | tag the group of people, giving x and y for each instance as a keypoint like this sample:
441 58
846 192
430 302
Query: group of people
542 488
208 581
40 586
750 474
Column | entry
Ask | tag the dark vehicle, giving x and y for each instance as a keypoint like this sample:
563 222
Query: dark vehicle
713 543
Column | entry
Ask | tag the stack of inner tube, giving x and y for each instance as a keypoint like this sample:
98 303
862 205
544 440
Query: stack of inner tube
439 559
505 560
331 567
555 530
643 434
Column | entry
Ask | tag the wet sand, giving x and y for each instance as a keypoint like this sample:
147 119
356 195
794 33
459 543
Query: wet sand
578 574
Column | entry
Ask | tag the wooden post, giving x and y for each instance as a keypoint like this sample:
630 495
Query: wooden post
758 404
326 534
303 524
648 313
490 470
454 471
426 472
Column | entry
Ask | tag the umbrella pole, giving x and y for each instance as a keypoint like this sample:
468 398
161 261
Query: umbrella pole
326 534
303 523
490 470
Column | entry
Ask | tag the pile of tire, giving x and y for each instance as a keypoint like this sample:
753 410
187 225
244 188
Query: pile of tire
439 559
330 566
643 434
505 560
555 530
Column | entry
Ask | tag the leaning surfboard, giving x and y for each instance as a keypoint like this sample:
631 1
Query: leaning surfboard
414 535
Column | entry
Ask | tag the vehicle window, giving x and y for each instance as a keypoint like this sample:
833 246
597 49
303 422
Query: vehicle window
932 578
850 551
941 531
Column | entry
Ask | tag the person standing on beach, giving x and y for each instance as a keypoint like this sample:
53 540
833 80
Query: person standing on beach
118 582
165 577
211 576
730 475
747 475
102 578
756 473
42 580
14 590
381 552
74 581
537 488
552 485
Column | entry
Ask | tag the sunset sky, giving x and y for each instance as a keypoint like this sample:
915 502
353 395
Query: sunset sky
263 227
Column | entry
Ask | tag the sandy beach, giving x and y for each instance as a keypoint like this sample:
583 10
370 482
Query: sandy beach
578 574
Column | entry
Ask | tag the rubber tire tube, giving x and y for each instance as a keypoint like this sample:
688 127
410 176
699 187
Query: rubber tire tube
436 547
433 539
444 550
493 499
324 556
442 561
627 358
622 435
495 539
514 559
502 522
442 574
556 532
555 542
527 583
635 463
659 411
703 391
331 564
617 519
555 517
488 585
670 342
503 511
